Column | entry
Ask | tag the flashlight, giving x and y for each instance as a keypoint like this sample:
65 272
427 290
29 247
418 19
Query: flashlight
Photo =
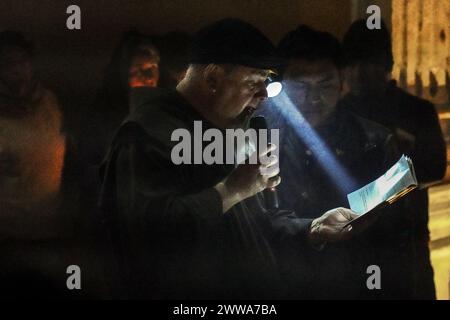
273 86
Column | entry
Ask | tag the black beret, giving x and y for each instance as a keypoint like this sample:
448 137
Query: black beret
233 41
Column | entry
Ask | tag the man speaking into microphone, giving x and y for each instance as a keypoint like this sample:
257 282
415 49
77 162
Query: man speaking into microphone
200 231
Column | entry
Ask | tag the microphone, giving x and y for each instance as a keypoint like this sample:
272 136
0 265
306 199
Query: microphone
270 194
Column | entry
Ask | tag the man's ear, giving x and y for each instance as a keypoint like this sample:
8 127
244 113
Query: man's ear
213 75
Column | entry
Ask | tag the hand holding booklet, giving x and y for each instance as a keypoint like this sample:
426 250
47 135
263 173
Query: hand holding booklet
399 180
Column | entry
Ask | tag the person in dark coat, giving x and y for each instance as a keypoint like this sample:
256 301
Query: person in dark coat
416 128
327 152
134 63
199 231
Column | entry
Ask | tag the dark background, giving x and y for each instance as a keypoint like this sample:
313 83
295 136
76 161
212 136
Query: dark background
71 61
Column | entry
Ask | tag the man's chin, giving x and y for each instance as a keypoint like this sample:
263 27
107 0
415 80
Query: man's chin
243 120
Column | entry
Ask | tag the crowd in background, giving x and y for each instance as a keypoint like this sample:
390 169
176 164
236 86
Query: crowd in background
50 172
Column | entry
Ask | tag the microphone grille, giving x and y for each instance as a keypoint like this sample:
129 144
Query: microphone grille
258 123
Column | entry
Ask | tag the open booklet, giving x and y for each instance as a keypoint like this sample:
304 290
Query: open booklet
394 184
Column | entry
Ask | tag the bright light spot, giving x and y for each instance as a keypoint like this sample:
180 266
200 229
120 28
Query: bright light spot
343 181
274 89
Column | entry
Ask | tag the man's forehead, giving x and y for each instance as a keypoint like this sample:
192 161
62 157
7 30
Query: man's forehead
253 72
305 68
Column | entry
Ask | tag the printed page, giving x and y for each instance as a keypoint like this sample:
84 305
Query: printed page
396 181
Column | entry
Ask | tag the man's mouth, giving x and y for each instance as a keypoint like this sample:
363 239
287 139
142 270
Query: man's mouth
249 111
244 117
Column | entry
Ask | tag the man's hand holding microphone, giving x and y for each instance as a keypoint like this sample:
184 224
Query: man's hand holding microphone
249 179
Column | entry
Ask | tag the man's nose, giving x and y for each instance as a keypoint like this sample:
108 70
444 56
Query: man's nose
313 96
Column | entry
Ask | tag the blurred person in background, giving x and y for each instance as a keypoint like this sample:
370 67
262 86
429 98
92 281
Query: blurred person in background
414 123
33 229
134 64
32 144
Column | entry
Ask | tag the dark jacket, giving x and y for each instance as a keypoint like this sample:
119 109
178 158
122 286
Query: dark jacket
360 150
416 128
170 235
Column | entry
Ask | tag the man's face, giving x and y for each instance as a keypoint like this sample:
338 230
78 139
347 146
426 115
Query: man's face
144 72
16 70
366 79
314 87
239 92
